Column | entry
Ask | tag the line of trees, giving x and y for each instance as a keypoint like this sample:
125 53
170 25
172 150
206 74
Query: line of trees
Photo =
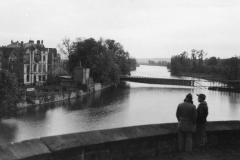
159 63
106 59
197 63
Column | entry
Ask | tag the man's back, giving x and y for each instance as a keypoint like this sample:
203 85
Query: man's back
186 110
186 115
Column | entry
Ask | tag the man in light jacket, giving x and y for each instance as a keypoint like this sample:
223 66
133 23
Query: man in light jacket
186 115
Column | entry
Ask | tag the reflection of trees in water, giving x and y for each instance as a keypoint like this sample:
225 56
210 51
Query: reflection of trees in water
8 132
99 104
106 103
99 99
233 98
95 100
35 113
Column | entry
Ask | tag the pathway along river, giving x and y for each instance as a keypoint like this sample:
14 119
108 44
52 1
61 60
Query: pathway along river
127 105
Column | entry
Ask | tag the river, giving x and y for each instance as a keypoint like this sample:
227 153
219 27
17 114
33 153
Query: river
126 105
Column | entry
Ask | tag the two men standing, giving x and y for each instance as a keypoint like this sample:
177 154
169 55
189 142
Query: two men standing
188 116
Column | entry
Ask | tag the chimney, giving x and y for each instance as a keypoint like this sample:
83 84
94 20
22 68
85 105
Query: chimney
41 42
38 42
21 43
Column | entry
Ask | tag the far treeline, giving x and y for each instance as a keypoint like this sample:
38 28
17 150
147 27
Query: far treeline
228 69
159 63
106 59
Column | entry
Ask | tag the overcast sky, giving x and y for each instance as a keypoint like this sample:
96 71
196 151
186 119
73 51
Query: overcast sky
146 28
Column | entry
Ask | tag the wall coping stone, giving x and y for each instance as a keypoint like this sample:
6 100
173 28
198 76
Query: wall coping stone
221 126
34 148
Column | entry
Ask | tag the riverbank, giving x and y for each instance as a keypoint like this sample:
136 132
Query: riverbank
38 98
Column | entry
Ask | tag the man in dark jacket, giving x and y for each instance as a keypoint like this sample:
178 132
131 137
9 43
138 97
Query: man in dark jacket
186 115
202 113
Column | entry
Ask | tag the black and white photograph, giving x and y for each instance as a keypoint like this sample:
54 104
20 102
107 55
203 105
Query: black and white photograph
119 79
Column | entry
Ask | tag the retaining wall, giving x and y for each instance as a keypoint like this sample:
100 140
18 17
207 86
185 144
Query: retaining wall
113 144
42 98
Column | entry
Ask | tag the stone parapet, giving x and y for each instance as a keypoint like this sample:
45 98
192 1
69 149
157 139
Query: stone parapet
118 143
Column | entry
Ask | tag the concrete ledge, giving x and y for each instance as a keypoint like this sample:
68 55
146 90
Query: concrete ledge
117 143
29 149
221 126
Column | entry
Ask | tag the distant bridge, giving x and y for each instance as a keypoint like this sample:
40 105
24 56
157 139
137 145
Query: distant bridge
161 81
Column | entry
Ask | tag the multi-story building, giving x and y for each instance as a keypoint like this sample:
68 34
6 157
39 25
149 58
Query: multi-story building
54 62
36 68
29 61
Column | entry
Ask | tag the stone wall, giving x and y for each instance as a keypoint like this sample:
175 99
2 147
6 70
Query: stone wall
46 97
42 97
113 144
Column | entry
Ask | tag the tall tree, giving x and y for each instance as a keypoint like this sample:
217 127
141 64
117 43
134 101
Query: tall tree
9 91
231 68
194 59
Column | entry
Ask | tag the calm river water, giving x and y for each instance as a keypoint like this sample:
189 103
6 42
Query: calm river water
126 105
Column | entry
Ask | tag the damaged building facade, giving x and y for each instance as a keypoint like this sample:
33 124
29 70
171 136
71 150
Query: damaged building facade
29 61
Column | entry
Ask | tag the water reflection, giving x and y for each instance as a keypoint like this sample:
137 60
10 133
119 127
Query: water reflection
8 131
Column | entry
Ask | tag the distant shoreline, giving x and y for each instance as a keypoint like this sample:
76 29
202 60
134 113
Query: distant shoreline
145 60
145 64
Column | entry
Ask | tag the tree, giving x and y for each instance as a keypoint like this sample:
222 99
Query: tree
66 47
201 54
9 91
212 61
121 57
231 66
106 59
194 63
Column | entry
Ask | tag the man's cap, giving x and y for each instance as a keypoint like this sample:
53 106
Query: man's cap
202 96
189 96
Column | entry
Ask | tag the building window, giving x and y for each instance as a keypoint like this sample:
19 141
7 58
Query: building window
43 77
28 78
44 59
40 78
13 58
35 68
28 68
37 57
44 68
39 69
26 58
